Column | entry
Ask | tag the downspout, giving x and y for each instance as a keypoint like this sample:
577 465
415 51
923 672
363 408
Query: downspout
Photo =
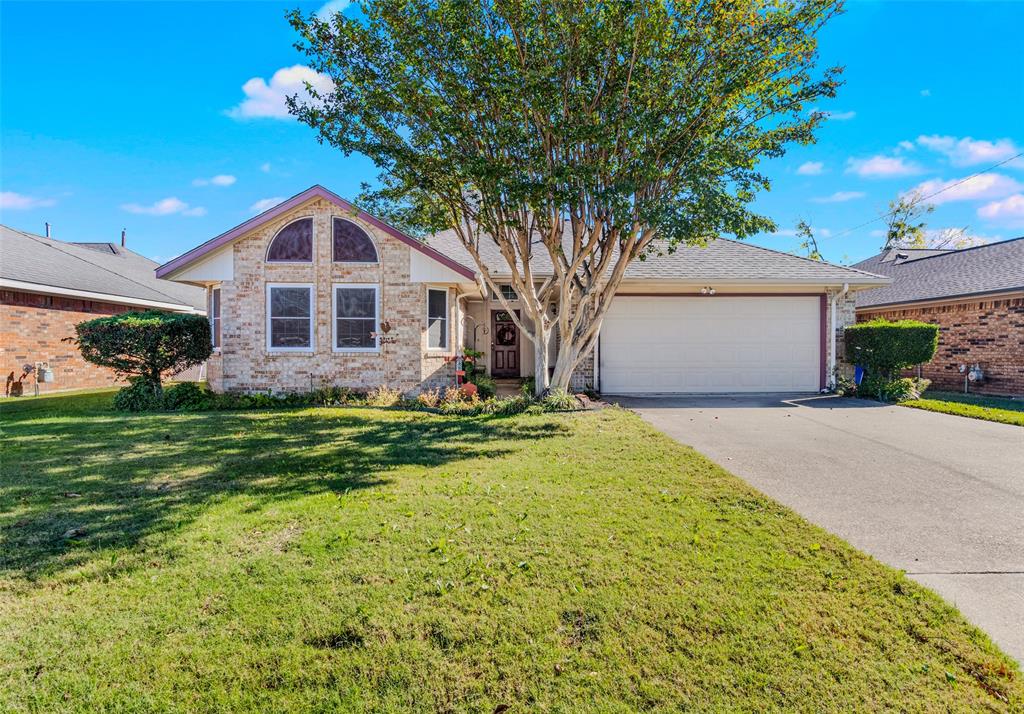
832 329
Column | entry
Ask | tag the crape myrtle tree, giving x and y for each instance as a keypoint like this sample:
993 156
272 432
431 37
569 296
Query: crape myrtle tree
590 133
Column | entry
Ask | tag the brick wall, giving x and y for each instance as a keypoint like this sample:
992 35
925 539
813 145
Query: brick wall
32 327
244 362
989 332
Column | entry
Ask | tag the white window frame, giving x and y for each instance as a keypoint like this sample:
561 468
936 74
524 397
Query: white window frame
216 319
501 289
447 320
376 248
334 317
312 318
312 255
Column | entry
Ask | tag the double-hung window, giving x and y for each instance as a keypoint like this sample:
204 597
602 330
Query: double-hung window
215 317
290 317
437 319
356 317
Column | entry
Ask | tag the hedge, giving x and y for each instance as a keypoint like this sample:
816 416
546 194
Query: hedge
885 348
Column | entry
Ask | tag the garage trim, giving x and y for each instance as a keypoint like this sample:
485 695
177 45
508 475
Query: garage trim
822 329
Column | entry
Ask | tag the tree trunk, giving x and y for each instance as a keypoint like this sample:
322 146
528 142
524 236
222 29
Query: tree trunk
540 361
565 365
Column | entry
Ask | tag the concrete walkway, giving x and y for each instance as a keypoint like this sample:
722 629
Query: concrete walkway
939 496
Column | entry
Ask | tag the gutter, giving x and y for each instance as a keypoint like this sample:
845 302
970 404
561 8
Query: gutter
99 297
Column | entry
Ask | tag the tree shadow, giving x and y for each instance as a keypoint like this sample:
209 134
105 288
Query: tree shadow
75 485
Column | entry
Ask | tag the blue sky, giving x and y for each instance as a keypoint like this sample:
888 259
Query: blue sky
166 119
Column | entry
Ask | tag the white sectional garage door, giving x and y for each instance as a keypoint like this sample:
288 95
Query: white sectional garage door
711 344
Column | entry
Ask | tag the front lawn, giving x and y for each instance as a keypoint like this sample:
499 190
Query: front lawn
1007 411
373 560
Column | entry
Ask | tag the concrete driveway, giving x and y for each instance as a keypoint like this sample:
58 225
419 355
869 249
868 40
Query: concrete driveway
939 496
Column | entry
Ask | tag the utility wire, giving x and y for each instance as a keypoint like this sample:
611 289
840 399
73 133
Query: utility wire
930 195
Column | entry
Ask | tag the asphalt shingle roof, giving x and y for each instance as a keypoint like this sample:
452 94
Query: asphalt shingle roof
721 260
112 271
990 268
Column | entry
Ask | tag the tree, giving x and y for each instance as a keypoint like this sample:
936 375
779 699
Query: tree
593 133
808 243
145 344
906 227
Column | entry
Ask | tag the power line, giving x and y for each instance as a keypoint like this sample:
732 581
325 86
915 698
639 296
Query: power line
930 195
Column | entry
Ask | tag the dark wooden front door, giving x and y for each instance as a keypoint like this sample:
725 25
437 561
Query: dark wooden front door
504 345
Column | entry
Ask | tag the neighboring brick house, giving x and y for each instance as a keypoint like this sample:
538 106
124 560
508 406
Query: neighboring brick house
315 292
974 295
48 286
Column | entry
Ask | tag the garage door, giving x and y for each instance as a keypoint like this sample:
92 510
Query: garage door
711 344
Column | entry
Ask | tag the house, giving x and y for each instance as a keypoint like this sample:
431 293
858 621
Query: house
315 291
975 296
48 286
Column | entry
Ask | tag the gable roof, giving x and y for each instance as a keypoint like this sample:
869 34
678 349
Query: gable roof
721 260
316 191
111 272
983 269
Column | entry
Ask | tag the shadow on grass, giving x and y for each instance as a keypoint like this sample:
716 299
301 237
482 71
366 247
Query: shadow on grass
80 482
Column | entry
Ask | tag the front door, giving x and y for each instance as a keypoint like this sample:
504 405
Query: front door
504 345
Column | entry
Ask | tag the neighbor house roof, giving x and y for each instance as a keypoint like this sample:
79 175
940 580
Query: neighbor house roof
297 200
981 270
97 271
721 260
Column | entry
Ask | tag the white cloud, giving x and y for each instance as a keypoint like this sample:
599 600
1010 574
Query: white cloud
977 188
878 233
823 232
329 8
11 201
968 151
811 168
265 167
839 197
218 180
881 167
165 207
1010 210
265 204
907 145
926 92
267 99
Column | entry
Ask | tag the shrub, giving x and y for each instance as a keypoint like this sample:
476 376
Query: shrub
486 386
510 406
383 396
186 396
528 387
430 398
885 348
893 390
558 400
140 395
145 344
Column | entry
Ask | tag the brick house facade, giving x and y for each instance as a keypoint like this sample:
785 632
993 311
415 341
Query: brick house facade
245 361
33 330
987 331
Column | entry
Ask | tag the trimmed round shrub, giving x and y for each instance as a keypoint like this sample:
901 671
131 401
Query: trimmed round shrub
885 348
145 344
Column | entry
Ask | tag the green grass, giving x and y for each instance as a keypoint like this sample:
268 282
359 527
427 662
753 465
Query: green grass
1006 411
371 560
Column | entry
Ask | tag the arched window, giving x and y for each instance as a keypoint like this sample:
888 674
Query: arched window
352 244
293 243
